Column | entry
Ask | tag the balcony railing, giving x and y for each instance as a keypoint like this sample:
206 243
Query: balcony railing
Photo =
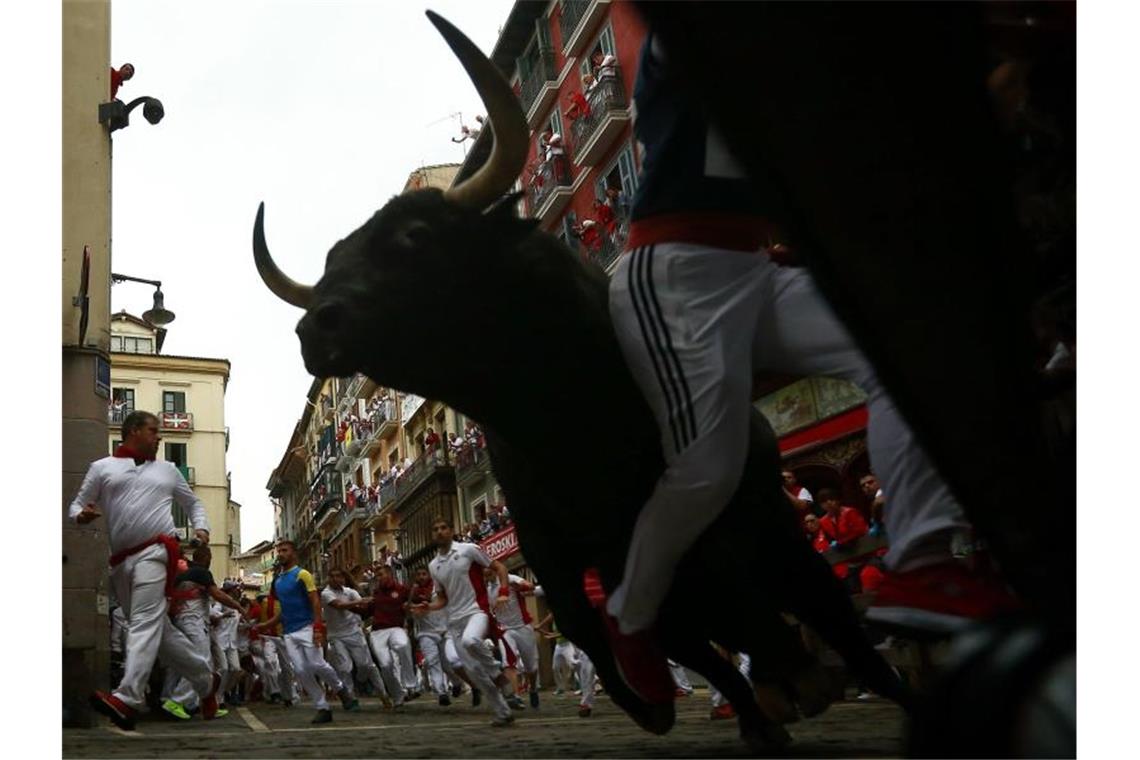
178 421
471 459
116 416
542 73
607 97
572 13
410 480
550 176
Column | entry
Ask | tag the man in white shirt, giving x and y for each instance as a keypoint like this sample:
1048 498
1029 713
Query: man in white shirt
136 494
347 645
515 621
459 585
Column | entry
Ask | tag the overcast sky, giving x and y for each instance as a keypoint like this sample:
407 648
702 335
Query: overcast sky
321 109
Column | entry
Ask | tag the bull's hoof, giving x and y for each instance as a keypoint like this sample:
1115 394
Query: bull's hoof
775 703
656 719
812 689
762 739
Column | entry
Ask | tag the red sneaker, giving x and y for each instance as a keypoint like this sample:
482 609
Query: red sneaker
724 712
942 598
679 692
639 660
210 701
114 708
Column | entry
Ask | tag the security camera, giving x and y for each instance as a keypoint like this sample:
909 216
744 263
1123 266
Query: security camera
153 111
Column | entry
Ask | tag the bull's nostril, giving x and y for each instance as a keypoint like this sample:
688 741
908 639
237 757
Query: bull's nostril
327 317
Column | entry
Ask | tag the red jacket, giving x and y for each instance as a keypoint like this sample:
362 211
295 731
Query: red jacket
849 527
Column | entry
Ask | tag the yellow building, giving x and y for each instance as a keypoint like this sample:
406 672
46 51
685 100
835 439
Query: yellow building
187 394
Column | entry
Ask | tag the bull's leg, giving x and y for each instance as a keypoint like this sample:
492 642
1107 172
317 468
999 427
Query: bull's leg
819 600
757 731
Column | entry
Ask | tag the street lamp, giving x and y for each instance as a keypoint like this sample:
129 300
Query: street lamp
116 115
158 315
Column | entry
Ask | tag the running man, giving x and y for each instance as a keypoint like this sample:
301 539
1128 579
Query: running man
515 621
347 645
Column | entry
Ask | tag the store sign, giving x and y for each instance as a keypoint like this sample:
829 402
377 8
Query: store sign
502 544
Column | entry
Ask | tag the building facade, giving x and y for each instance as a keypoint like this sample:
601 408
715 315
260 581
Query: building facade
187 394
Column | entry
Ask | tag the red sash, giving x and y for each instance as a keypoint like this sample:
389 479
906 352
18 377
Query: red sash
173 552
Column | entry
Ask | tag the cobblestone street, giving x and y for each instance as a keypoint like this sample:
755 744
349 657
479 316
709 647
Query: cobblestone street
847 729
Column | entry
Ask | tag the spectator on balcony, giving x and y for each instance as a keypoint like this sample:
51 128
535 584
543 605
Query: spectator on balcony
485 527
841 524
589 233
604 214
431 440
799 496
605 67
870 487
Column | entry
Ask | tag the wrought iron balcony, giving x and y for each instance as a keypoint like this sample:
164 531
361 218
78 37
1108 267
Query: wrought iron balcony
609 113
176 421
572 13
578 22
548 178
116 416
422 469
470 461
543 75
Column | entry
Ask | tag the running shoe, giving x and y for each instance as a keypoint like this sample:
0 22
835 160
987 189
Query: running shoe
114 708
323 716
534 699
175 710
722 712
942 598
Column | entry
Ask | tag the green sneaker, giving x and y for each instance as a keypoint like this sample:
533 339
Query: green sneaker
221 713
175 710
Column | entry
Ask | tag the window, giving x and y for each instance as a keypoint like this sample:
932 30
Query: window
132 345
174 401
604 45
620 176
566 234
124 396
175 454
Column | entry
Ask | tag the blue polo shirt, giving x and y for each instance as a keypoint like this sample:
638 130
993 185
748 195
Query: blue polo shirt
292 591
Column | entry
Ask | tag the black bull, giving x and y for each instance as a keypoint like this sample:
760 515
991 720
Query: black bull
537 355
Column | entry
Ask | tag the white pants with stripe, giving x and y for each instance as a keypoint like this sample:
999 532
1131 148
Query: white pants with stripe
309 663
274 648
393 650
139 582
431 645
695 323
352 649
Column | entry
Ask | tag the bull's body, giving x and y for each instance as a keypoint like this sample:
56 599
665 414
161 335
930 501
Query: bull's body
537 354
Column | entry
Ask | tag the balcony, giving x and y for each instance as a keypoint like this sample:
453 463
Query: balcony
609 115
540 89
188 474
419 473
177 422
578 21
377 425
608 252
116 416
550 189
471 463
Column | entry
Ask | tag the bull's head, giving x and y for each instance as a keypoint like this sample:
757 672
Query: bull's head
407 258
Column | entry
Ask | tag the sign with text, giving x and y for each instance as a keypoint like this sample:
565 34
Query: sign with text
502 544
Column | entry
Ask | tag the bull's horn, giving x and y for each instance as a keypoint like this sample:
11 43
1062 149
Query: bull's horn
504 115
284 288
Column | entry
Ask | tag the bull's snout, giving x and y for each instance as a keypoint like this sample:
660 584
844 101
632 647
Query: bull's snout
321 332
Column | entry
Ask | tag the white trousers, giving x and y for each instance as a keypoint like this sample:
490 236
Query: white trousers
139 582
680 677
695 324
266 666
468 634
587 675
227 665
352 649
393 650
309 664
174 686
274 649
565 661
431 646
522 640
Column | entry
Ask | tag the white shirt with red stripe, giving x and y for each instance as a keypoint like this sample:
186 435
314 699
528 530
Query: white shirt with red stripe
514 614
459 572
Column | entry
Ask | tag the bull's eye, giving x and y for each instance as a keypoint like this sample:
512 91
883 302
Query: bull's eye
328 316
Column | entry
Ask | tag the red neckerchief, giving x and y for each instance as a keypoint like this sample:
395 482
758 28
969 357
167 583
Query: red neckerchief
126 452
422 593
